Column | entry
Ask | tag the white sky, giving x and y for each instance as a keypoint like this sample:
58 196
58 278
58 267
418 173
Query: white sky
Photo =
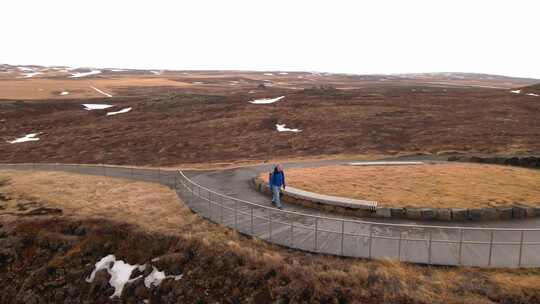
499 37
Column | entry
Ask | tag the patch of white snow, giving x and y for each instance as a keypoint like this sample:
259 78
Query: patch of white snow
79 75
266 100
119 112
282 128
26 138
532 94
516 91
89 106
156 276
64 93
120 273
30 75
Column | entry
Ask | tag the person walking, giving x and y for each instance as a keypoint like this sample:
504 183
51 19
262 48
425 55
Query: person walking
276 181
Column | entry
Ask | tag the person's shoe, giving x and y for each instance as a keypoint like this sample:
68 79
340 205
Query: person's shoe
272 202
280 207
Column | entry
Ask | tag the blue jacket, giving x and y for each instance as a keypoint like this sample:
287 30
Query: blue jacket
277 179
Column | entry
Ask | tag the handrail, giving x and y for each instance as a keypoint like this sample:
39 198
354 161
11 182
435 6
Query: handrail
353 221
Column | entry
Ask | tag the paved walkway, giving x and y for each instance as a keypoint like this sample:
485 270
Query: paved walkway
488 244
235 183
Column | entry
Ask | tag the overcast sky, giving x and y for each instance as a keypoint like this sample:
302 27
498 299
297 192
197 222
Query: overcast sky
362 37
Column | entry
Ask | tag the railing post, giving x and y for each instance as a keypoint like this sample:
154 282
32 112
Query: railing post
490 247
460 257
221 211
370 239
292 235
235 215
209 205
399 245
251 221
429 247
342 235
521 247
269 225
316 234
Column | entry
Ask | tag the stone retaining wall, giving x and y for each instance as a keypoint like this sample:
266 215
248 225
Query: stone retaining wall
516 211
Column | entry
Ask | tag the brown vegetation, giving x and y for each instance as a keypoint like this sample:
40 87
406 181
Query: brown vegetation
170 127
435 186
218 264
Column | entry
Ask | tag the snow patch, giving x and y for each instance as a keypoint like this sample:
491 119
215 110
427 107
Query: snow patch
79 75
119 112
268 74
26 138
30 75
156 72
101 92
283 73
91 106
64 93
282 128
532 94
156 276
266 100
516 91
120 273
25 69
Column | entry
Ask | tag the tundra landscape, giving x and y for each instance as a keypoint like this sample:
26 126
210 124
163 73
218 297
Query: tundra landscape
71 238
193 117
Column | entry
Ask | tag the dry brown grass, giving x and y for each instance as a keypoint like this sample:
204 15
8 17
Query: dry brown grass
156 209
440 185
43 88
150 206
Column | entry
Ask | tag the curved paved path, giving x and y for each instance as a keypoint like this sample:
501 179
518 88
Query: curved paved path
465 243
236 183
311 230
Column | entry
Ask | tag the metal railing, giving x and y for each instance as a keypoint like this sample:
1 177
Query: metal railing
437 245
425 244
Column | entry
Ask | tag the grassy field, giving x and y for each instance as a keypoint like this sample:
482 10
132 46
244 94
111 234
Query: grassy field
441 185
215 259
